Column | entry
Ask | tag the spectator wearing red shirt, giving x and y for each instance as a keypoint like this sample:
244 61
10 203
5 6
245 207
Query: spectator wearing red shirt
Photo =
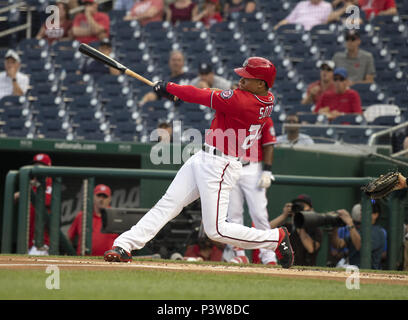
182 10
91 25
374 8
205 249
317 88
101 242
210 13
340 101
145 11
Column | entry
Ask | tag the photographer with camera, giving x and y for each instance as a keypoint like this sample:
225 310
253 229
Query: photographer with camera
305 240
348 237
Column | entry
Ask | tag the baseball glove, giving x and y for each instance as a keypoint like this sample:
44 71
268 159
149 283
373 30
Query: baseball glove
382 186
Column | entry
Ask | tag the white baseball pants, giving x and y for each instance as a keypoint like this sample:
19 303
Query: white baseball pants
247 189
211 178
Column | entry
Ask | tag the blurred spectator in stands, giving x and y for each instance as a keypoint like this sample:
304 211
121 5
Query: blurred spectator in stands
232 8
210 13
374 8
91 25
61 32
125 5
182 10
341 10
305 241
95 67
40 159
358 62
101 242
208 79
205 250
166 134
342 100
12 81
145 11
292 135
316 89
349 237
177 74
308 13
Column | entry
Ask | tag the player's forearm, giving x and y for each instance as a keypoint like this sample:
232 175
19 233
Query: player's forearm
190 94
267 152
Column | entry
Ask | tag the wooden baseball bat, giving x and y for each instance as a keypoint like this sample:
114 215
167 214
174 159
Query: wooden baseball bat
97 55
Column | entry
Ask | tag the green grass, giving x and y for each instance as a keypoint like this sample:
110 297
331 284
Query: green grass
165 285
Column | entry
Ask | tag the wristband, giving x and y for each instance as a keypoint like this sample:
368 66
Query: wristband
350 227
14 79
266 167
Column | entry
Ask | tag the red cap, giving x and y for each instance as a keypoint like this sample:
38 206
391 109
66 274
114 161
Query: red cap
102 189
258 68
42 158
91 1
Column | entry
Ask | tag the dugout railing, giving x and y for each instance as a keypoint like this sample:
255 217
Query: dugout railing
20 181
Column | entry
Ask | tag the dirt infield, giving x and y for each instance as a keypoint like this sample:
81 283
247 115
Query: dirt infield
72 263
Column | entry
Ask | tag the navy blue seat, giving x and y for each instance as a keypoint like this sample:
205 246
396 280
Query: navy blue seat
354 135
386 121
349 119
319 134
89 131
52 129
125 132
15 128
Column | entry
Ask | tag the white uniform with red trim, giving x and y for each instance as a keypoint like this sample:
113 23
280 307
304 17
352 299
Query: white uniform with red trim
247 189
211 174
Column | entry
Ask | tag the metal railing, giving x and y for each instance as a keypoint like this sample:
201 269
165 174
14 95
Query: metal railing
376 135
20 180
26 26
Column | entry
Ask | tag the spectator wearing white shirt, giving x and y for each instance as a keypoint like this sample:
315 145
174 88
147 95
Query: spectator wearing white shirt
12 82
308 13
292 135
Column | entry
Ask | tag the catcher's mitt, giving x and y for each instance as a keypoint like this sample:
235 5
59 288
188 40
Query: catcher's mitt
382 186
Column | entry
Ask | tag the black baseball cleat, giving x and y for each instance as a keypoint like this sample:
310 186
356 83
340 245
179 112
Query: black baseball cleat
117 254
284 251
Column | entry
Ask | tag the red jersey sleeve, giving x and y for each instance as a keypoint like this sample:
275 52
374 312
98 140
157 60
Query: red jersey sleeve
226 101
268 133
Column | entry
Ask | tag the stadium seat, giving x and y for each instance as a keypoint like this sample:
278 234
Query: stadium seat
51 129
387 120
349 119
319 134
89 131
354 135
15 128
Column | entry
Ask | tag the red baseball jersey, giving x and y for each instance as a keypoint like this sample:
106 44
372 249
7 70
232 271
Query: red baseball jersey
239 116
267 136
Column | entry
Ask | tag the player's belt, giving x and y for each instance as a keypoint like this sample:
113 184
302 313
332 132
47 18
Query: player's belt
214 151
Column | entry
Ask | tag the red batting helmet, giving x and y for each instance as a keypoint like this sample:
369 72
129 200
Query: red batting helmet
258 68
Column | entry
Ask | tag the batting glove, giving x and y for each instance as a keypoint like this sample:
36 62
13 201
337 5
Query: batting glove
266 179
160 89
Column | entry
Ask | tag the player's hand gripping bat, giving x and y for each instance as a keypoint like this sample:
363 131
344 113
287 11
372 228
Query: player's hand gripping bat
97 55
